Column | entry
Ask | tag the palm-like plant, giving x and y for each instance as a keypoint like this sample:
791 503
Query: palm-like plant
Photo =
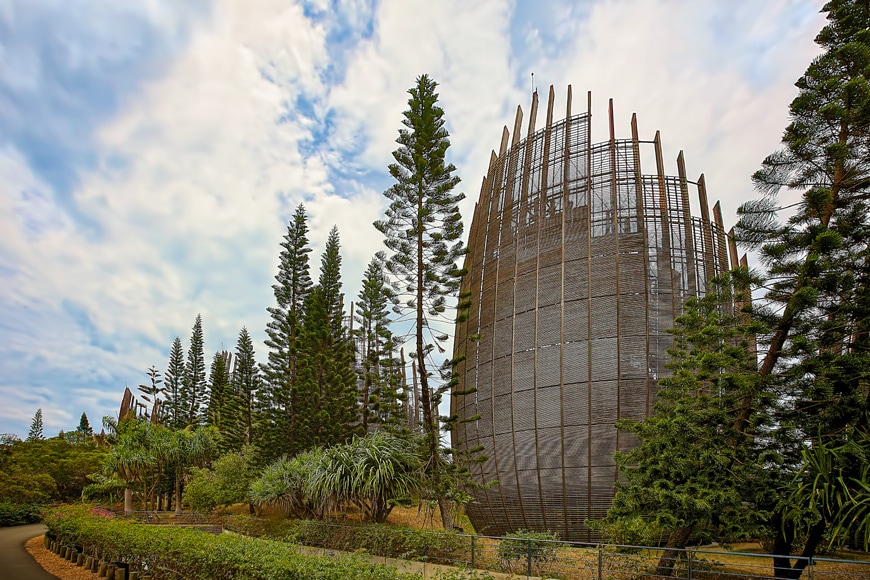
374 473
833 487
283 484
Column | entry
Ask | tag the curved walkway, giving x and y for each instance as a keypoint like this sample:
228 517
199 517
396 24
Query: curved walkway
15 562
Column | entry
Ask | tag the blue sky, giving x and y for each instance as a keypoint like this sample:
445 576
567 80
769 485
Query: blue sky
152 152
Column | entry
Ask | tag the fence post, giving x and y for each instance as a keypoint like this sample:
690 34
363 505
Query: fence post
529 557
472 552
689 562
810 565
600 561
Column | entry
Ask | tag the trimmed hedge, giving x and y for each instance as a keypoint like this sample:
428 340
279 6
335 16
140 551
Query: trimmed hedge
12 514
172 552
378 539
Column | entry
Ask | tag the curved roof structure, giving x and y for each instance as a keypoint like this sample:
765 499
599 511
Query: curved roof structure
579 258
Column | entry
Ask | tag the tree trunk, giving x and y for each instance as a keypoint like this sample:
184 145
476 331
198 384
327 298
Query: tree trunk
446 513
178 494
128 500
782 566
676 542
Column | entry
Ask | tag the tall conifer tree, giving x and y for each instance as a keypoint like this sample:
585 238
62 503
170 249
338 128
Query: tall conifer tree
292 286
326 392
238 408
423 230
219 386
36 428
173 410
194 386
380 398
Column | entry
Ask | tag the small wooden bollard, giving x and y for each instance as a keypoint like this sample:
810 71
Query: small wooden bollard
102 570
89 563
133 576
80 559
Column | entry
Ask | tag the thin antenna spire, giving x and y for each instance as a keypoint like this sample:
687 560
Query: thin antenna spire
533 83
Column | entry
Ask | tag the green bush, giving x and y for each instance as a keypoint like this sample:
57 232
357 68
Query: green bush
181 552
17 515
377 539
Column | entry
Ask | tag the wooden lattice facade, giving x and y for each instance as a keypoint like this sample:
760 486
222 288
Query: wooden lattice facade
579 260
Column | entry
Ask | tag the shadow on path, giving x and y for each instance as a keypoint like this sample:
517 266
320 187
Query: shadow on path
15 562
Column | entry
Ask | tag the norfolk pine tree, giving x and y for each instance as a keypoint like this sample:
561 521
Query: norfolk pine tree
219 386
292 286
423 230
35 433
817 261
173 412
380 399
238 406
325 391
194 387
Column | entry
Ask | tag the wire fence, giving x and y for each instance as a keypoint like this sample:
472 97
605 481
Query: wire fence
535 558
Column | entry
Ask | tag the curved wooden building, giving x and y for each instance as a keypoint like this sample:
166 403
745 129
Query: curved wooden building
579 260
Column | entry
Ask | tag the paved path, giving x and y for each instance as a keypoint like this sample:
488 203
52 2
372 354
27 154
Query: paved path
15 562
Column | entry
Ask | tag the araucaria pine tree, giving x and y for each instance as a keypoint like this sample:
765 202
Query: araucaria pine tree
292 286
173 409
84 429
238 406
423 231
35 433
194 386
326 392
816 283
219 386
380 395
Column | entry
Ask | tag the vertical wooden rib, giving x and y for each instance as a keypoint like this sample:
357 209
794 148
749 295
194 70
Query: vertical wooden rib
641 217
538 213
732 250
708 251
721 250
588 145
689 245
614 205
666 224
565 176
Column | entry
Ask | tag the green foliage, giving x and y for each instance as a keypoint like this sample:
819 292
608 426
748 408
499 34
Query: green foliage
47 470
192 554
84 429
525 545
14 514
227 482
143 451
104 488
326 389
219 389
283 484
690 472
463 573
239 402
291 288
35 433
382 397
375 473
816 285
378 539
